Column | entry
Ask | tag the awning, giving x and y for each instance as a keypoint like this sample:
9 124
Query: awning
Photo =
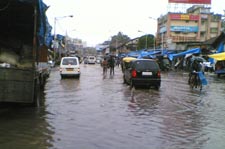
218 56
191 51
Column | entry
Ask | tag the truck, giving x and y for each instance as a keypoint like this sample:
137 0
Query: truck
24 68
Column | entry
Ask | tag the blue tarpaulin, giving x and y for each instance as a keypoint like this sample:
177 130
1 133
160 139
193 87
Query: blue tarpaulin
191 51
44 33
148 54
133 54
202 78
44 28
220 48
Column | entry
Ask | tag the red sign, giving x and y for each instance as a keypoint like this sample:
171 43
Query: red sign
191 1
184 17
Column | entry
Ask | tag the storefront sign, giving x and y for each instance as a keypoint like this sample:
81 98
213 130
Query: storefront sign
186 29
191 1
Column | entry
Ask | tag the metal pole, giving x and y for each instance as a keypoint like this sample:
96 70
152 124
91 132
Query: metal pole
154 37
154 43
55 19
146 40
54 44
162 44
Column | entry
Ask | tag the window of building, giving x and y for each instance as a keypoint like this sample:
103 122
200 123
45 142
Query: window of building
203 22
202 34
213 30
215 18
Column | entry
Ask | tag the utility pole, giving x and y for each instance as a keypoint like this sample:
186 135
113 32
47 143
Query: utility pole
55 38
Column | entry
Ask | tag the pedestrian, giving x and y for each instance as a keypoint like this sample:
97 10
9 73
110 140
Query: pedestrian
118 62
111 63
105 66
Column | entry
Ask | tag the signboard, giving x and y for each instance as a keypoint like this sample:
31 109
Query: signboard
162 29
186 29
184 17
191 1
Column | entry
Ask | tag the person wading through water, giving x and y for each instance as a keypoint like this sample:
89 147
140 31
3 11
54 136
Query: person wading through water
105 66
111 63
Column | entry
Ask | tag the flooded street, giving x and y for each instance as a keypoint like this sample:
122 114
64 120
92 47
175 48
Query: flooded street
94 112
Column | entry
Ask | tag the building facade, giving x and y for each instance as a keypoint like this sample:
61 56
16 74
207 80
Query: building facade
176 30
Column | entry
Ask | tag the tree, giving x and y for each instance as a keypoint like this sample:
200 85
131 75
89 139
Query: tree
118 40
142 42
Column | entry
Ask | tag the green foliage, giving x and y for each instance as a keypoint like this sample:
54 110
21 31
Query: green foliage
118 40
142 42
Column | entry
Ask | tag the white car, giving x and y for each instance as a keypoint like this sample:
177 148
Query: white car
69 66
91 59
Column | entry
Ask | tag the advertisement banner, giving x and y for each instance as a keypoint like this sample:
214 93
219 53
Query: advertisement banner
184 17
186 29
191 1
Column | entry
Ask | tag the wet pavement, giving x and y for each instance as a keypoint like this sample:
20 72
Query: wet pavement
96 112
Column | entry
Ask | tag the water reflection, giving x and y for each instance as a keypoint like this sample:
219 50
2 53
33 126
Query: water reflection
180 117
97 113
144 101
24 127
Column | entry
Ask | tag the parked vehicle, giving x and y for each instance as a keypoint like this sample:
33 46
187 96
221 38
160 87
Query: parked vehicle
69 66
99 59
23 51
143 72
51 63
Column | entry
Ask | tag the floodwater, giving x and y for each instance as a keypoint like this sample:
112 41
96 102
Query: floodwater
96 112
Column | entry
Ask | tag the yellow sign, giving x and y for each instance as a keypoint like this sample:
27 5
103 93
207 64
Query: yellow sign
184 17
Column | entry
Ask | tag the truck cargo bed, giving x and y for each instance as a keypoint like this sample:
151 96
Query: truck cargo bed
16 85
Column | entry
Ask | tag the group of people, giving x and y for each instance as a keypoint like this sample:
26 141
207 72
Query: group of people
108 63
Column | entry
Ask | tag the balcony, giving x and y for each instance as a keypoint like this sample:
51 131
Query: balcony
177 39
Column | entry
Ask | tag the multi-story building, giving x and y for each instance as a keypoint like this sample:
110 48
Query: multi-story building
177 30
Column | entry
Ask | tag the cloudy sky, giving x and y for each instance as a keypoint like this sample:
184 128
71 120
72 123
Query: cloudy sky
95 21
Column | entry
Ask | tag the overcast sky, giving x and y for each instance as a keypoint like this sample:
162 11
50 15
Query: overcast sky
95 21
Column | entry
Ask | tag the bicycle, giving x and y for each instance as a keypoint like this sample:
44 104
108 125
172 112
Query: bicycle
194 81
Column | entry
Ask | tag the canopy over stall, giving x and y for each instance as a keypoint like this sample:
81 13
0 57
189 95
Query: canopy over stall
191 51
218 56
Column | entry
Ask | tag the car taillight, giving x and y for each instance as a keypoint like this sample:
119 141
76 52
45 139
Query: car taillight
158 74
134 73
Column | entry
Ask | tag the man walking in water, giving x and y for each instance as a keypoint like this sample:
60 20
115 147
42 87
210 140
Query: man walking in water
104 65
111 63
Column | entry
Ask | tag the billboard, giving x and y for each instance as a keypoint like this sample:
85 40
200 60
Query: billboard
186 29
191 1
184 17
